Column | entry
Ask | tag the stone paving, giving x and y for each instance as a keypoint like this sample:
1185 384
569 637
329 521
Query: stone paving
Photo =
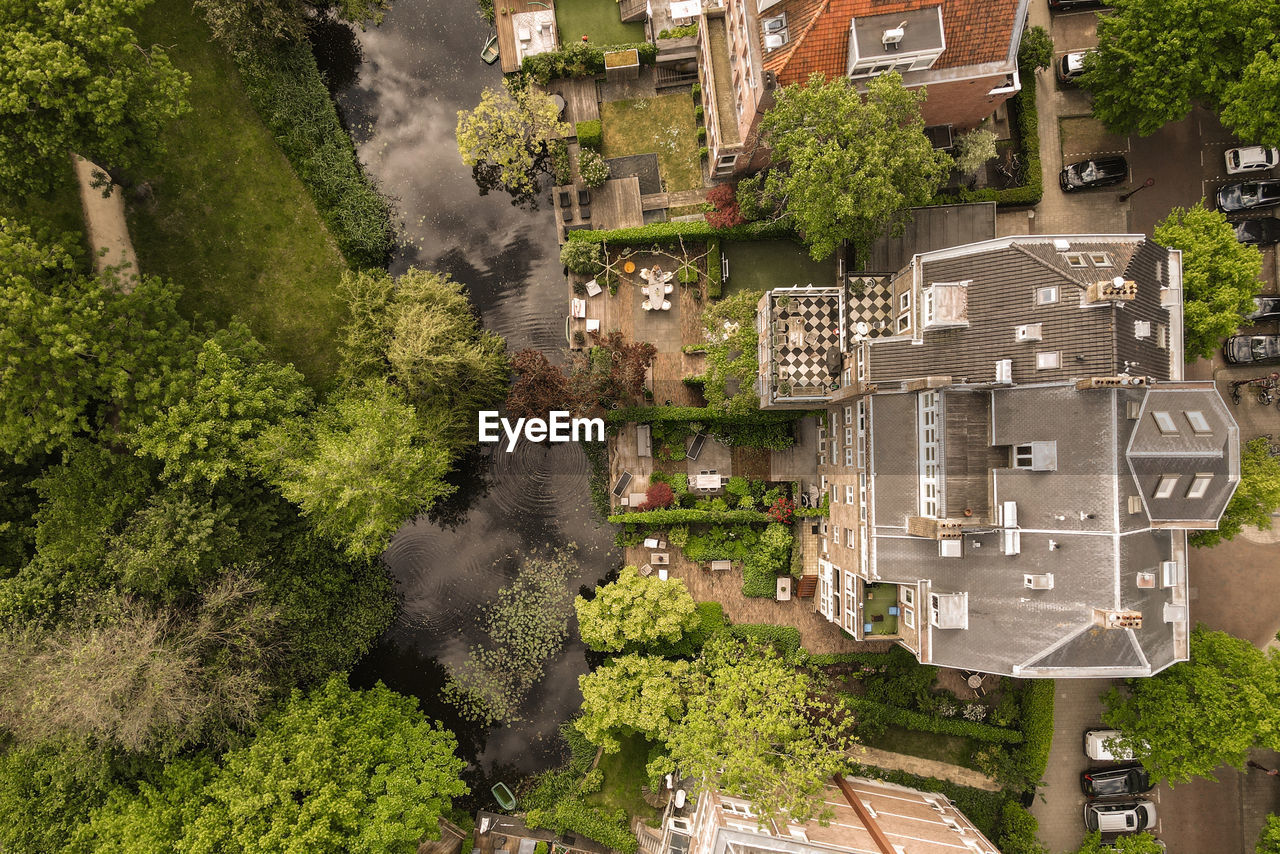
1060 804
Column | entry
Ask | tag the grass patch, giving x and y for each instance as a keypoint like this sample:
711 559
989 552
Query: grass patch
624 775
952 749
231 222
662 125
759 265
598 20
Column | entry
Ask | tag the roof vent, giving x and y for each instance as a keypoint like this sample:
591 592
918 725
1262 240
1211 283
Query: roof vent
1029 332
1141 329
1112 619
950 548
1169 573
1004 371
1146 580
1038 582
1062 245
892 38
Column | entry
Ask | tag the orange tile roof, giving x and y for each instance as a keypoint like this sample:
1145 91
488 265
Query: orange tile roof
976 31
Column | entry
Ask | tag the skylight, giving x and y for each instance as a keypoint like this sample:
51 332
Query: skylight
1166 486
1164 421
1199 486
1199 424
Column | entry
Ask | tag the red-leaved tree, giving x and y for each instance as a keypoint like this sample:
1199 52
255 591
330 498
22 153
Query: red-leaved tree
657 497
727 214
539 387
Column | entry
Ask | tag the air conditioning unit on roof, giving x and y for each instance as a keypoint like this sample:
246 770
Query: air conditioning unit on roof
893 37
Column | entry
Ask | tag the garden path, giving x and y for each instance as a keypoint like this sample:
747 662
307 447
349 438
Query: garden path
108 232
924 768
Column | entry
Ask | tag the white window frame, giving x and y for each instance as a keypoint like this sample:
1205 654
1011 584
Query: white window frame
904 301
1048 360
1166 485
849 495
904 323
1075 259
1164 422
1105 262
1199 485
1199 424
848 456
1047 295
909 616
928 426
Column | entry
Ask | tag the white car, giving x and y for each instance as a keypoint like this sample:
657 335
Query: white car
1251 158
1095 746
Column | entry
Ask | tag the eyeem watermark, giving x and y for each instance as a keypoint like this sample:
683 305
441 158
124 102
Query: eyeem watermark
558 427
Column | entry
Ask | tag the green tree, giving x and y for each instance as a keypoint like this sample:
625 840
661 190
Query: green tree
635 613
335 771
759 726
1251 103
1199 714
1036 48
1219 276
729 329
1255 498
47 790
1269 837
1018 829
359 468
504 139
77 80
234 394
847 167
1157 58
974 149
237 23
632 694
1128 843
151 819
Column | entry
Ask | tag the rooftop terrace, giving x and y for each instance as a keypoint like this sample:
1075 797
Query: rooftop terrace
802 335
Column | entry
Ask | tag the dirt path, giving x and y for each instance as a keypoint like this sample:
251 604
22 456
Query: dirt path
924 768
105 223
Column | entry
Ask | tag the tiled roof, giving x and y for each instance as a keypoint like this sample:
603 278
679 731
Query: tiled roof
976 31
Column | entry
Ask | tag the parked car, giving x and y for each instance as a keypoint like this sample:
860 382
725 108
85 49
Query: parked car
1067 5
1265 308
1095 745
1098 172
1258 232
1251 158
1130 779
1071 65
1249 195
1119 816
1251 349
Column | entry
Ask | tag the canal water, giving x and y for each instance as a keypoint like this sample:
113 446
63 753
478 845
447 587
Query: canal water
399 87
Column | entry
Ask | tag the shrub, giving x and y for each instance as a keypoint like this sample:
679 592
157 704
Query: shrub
560 164
288 91
1018 829
581 751
1035 51
702 152
592 167
579 59
680 33
973 151
591 783
1037 725
927 723
590 135
658 496
702 134
585 259
696 89
659 518
783 510
541 847
688 275
727 213
771 557
785 639
678 536
671 232
698 112
715 274
572 813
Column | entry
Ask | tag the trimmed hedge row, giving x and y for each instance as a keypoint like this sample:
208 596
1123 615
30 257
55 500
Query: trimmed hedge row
570 813
579 59
1037 725
655 518
590 134
785 639
715 273
654 414
928 723
286 88
870 659
659 232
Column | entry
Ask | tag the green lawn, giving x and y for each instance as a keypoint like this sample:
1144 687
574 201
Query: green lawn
231 222
662 125
942 748
759 265
598 20
624 774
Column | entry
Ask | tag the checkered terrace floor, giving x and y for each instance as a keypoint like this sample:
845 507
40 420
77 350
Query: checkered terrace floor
874 306
805 331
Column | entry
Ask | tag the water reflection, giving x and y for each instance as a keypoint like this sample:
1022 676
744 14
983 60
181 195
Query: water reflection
420 67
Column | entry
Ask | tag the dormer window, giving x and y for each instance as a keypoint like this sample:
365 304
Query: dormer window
1100 259
1076 259
1199 424
1199 485
1164 423
1164 489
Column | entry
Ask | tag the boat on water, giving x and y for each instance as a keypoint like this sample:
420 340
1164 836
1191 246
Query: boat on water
504 797
489 53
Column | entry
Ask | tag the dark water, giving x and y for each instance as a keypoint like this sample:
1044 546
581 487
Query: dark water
400 87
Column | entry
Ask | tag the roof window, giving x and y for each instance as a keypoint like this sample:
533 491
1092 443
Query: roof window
1164 422
1199 424
1165 487
1199 485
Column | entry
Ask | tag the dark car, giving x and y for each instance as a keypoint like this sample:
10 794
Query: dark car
1131 779
1249 195
1098 172
1265 308
1066 5
1258 232
1245 349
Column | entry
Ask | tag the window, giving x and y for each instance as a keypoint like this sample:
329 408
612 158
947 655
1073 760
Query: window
909 617
1162 336
1164 422
726 161
1199 485
848 537
927 302
848 456
848 415
835 494
1100 259
736 808
929 440
862 434
908 596
849 496
1165 487
1141 329
904 300
1076 259
846 377
1022 457
1199 424
835 534
904 322
848 435
1047 295
862 499
1048 361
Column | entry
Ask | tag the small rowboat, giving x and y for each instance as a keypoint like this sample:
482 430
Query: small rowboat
503 796
489 53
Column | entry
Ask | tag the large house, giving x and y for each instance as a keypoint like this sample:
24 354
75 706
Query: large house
1011 453
866 817
964 51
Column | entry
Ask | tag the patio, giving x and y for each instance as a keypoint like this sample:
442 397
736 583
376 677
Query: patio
880 609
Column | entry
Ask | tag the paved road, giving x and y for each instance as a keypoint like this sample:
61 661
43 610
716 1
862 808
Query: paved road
1060 806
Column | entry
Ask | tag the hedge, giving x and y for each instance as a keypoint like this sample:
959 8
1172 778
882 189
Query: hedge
286 88
715 273
680 32
928 723
771 557
570 813
579 59
785 639
1018 830
985 809
590 134
860 658
654 414
597 454
1036 724
656 518
658 232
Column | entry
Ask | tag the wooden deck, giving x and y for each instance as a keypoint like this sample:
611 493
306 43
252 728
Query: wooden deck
580 104
614 205
508 52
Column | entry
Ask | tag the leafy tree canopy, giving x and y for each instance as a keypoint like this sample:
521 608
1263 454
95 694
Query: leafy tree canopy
504 139
849 166
1269 837
632 694
1128 843
636 612
1219 275
76 79
1036 48
47 791
1156 58
1251 104
1197 715
237 22
1255 499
